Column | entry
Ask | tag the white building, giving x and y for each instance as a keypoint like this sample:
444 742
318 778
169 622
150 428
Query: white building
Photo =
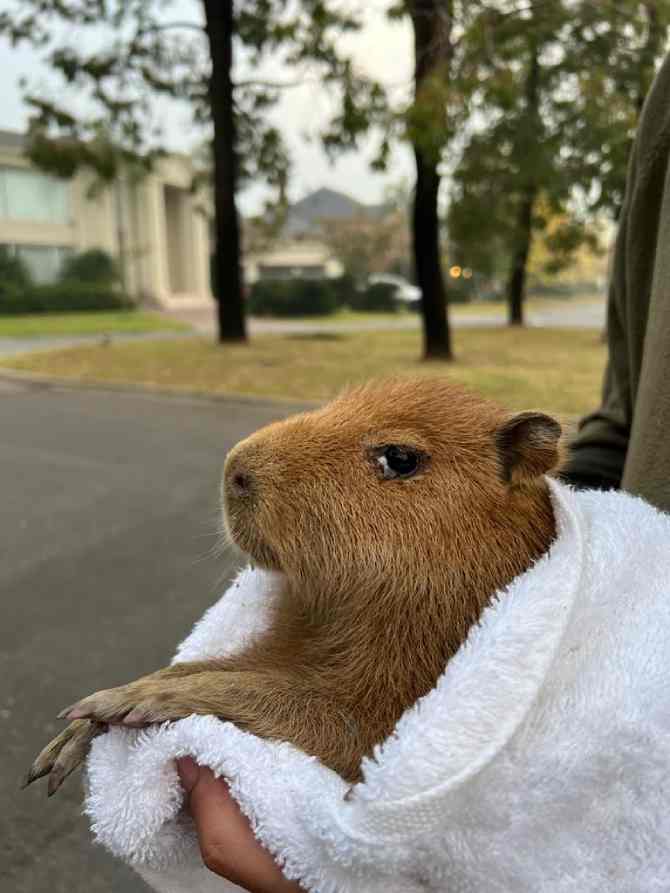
292 259
154 224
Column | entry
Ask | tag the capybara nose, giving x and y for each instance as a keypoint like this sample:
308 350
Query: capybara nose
241 483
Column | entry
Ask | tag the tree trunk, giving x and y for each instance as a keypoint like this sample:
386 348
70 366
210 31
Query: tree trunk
431 20
523 228
516 286
228 279
427 263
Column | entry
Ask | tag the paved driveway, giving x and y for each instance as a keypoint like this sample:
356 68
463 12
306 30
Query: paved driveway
108 511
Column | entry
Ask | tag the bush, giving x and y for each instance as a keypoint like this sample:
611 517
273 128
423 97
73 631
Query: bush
460 291
293 297
344 287
378 297
62 297
14 274
94 266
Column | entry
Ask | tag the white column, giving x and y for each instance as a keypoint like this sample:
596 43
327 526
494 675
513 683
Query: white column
153 239
200 252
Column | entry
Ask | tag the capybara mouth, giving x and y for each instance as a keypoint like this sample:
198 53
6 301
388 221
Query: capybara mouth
247 539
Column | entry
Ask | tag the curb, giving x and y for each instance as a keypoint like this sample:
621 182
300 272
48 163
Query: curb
33 380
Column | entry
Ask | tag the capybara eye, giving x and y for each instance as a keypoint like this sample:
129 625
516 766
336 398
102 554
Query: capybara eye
398 462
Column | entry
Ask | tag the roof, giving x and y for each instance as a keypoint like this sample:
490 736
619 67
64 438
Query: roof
305 215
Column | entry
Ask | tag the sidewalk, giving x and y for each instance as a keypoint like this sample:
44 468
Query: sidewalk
12 346
589 315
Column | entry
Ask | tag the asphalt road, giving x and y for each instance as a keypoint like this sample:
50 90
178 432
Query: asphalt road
108 514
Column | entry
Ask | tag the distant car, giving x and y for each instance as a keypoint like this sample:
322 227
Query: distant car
405 292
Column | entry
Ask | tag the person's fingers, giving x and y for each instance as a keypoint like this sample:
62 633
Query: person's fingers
227 843
188 771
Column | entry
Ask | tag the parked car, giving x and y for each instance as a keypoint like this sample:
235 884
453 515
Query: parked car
406 293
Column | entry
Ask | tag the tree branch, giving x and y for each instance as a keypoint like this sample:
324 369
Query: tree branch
277 85
193 26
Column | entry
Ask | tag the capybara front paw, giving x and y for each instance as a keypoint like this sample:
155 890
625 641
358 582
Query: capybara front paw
137 704
62 755
110 705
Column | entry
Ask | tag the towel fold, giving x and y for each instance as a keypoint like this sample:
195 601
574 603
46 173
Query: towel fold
539 762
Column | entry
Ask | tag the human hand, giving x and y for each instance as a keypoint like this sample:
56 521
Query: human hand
227 843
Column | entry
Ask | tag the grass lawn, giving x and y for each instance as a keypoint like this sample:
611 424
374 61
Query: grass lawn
553 369
40 325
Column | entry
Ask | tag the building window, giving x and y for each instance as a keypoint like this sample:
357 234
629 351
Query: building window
43 262
31 195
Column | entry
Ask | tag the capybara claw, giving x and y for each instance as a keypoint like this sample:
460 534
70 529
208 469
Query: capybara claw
62 755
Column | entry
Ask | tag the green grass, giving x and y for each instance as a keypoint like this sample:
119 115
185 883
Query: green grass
552 369
42 325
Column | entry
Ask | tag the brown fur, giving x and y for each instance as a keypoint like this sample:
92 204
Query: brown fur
384 577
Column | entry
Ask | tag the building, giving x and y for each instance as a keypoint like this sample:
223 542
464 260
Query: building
292 259
154 224
301 249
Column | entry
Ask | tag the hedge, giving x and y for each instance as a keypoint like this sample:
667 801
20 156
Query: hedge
61 297
13 271
93 266
293 297
344 287
319 297
377 297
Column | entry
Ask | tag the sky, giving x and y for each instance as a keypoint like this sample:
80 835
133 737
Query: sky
381 49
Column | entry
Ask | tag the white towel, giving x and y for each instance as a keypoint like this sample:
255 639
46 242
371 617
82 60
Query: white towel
539 762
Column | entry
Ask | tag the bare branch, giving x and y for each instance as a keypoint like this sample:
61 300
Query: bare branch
277 85
167 26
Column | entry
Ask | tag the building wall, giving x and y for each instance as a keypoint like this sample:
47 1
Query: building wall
293 259
154 225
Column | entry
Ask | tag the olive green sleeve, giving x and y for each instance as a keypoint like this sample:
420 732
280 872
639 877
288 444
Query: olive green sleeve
624 432
598 453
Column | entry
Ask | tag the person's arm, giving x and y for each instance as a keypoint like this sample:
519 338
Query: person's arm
597 454
624 443
227 843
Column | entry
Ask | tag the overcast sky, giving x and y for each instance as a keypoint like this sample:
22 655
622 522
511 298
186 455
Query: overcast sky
382 49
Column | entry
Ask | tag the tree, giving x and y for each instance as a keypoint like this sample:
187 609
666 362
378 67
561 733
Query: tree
193 62
556 86
426 125
616 48
513 69
433 50
366 245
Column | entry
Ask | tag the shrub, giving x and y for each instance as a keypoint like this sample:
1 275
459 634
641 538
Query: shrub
94 265
292 297
460 291
376 297
61 297
14 274
343 287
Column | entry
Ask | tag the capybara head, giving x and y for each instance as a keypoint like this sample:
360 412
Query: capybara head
401 483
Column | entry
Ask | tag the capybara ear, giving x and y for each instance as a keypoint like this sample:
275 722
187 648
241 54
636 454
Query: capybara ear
528 446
